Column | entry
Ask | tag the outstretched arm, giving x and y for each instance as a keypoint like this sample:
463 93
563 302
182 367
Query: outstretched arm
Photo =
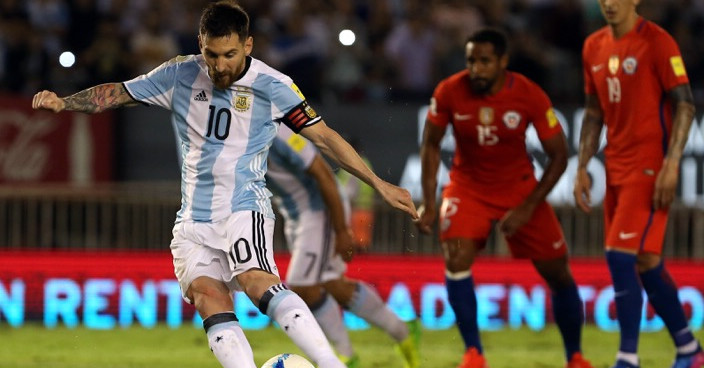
592 124
321 172
430 162
91 100
666 181
332 145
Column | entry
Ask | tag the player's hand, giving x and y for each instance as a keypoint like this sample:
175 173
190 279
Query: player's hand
582 190
515 218
345 245
426 221
666 184
47 100
398 198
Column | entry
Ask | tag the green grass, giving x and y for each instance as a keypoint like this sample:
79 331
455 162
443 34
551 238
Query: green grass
161 347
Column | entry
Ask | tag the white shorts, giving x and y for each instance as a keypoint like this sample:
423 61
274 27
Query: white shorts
311 241
223 250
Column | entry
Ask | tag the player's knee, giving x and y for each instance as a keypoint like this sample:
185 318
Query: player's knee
461 261
647 261
256 282
209 295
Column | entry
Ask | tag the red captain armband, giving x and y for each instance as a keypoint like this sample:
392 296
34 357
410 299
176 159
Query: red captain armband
300 117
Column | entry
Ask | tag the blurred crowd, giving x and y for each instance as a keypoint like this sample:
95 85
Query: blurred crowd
402 47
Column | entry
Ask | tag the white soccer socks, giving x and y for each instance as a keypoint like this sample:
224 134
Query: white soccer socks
227 341
292 314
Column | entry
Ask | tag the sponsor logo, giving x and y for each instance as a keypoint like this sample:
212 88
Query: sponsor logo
552 118
296 142
613 64
596 68
201 96
678 66
298 92
512 119
629 65
626 236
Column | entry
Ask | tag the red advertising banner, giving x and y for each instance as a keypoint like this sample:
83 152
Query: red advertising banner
103 289
40 146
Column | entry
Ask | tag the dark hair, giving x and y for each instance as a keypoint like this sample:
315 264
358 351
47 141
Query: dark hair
493 36
224 18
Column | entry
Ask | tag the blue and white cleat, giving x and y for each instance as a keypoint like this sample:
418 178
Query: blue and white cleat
691 361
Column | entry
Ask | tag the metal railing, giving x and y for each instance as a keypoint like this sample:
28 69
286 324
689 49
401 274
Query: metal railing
141 215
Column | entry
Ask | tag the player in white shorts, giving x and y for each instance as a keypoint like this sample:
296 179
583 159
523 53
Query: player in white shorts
316 225
226 108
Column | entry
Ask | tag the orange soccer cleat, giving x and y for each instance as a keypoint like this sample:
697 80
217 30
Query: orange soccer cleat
473 359
578 361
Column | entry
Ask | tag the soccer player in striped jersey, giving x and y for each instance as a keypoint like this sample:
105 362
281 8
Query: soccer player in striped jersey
316 225
226 108
636 84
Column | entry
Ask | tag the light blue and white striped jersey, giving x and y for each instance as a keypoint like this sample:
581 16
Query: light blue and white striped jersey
225 134
294 190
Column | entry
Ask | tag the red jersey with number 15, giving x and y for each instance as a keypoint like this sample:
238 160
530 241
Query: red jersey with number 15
490 133
631 76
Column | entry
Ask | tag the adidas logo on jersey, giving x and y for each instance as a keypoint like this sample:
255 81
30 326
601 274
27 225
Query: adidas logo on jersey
201 96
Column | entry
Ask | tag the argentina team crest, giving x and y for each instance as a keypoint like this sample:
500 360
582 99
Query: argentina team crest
242 99
512 119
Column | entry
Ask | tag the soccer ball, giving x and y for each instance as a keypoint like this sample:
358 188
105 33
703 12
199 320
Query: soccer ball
287 360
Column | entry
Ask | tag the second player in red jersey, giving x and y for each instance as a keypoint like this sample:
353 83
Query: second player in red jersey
637 86
492 180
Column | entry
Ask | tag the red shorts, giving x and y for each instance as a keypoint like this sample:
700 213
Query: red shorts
629 219
465 215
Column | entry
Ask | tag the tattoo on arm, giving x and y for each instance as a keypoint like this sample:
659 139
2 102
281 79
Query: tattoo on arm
683 103
98 98
592 125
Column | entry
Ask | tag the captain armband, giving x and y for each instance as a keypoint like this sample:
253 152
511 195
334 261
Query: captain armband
300 117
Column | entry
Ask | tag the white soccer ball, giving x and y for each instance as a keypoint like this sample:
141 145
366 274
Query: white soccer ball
287 360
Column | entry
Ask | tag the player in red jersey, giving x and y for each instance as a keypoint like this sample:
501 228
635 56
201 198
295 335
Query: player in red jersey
492 180
636 84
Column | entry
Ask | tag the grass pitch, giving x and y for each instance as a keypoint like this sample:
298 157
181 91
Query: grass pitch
186 347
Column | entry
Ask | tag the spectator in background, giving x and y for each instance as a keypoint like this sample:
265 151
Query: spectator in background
15 30
411 48
152 43
105 59
51 19
454 20
297 53
83 25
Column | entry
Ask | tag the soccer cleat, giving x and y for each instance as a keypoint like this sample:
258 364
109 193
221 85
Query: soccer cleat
578 361
692 361
473 359
622 364
351 361
408 348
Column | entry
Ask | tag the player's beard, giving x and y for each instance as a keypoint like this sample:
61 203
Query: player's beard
480 86
222 80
